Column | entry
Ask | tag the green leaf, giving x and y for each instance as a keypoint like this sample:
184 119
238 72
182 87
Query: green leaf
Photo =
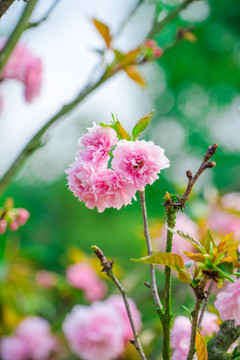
226 267
189 238
141 124
188 312
209 240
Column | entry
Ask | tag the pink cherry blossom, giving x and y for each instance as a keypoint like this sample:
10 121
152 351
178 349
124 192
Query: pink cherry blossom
224 223
81 181
113 191
22 216
116 301
139 162
45 279
13 347
94 332
184 223
25 67
3 226
181 333
83 276
13 225
227 303
97 143
32 340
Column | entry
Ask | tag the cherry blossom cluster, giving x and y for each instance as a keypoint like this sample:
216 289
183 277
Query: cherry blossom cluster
102 330
32 339
152 49
12 218
24 67
134 165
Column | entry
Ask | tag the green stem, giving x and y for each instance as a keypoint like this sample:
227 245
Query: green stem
21 26
169 18
168 315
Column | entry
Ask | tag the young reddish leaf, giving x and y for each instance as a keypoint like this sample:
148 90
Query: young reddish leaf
168 259
103 30
201 347
133 73
141 125
195 257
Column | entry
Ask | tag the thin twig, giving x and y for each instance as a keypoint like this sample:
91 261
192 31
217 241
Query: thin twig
208 293
154 289
200 297
21 26
206 164
107 268
159 26
45 17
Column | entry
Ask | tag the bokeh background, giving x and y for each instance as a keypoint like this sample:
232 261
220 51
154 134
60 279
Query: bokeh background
195 92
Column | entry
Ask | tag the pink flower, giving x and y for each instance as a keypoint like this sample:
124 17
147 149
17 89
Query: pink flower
97 143
94 332
81 181
13 225
113 191
22 216
228 303
116 302
184 223
83 276
45 279
3 226
181 333
25 67
231 201
103 189
139 162
224 223
32 340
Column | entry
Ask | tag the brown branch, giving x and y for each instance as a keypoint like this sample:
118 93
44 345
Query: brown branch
107 268
149 250
4 6
206 164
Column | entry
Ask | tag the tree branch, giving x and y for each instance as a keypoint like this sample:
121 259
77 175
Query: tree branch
34 143
107 268
21 26
209 290
154 289
4 6
49 11
218 346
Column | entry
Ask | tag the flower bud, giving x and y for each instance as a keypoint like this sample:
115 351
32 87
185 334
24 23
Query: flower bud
22 216
3 226
13 225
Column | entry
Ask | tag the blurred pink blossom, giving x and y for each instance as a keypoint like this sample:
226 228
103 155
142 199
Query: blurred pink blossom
84 277
227 303
32 340
184 223
22 216
25 67
181 333
94 332
45 279
139 162
97 143
116 302
3 226
13 225
224 223
231 201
